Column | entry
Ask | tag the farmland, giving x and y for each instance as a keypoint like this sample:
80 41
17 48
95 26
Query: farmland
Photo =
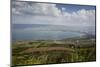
53 51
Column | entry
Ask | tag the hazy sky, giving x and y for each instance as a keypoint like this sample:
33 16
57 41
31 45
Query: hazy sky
54 14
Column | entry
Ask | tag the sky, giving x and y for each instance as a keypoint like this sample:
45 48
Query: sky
52 14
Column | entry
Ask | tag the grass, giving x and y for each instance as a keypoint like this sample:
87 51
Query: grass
49 51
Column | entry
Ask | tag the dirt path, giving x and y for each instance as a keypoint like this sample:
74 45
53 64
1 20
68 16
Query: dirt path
43 49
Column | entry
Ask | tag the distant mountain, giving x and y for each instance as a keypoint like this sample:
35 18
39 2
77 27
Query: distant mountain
89 36
88 30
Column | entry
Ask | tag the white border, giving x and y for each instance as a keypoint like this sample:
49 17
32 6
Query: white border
5 33
87 2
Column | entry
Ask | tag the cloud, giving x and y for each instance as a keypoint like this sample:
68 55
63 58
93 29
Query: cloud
42 13
29 8
63 9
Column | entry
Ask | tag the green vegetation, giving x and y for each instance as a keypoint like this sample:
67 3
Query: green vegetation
50 51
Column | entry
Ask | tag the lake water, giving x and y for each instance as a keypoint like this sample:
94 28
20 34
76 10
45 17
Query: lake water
38 32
